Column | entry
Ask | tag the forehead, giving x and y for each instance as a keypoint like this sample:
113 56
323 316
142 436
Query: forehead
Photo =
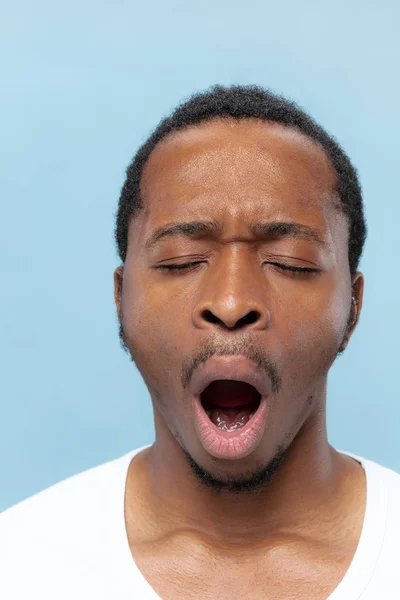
238 169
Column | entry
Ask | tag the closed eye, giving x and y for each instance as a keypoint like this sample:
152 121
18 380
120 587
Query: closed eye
181 267
292 269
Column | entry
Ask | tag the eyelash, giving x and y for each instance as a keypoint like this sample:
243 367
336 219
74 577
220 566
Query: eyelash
295 270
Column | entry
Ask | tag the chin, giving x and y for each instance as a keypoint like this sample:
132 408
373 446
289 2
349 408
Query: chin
239 476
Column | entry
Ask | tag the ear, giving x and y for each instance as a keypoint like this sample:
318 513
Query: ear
357 288
118 281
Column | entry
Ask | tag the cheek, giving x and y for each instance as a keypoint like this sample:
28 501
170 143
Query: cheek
315 333
152 326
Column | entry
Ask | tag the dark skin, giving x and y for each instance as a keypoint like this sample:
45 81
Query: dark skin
295 536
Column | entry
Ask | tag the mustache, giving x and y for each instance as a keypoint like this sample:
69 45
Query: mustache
240 347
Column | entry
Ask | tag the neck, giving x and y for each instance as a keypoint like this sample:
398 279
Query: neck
312 476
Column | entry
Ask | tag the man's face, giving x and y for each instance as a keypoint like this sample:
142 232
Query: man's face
240 300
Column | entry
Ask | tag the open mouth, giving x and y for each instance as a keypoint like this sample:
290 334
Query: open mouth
230 404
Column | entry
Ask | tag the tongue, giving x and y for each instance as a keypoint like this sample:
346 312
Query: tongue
230 404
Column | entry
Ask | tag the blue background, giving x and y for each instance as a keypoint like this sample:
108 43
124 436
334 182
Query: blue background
82 84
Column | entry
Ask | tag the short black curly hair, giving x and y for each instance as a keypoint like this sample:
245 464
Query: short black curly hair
241 102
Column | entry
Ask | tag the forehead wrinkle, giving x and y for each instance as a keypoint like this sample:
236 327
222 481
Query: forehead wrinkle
235 168
223 196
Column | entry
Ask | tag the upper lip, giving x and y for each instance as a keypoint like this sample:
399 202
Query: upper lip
235 368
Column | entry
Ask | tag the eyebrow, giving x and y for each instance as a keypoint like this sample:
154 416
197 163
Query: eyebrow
202 229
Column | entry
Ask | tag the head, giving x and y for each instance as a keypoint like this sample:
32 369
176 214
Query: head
240 228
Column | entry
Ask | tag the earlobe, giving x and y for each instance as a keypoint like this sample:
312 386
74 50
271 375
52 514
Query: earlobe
355 309
354 312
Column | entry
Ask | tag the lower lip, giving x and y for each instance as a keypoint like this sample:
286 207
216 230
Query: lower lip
230 445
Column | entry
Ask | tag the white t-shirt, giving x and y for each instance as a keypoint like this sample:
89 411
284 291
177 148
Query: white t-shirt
69 541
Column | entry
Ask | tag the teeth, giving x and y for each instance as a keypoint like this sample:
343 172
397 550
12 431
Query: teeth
220 421
221 424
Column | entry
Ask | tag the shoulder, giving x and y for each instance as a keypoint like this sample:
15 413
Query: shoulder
389 482
62 528
383 497
63 502
380 477
383 525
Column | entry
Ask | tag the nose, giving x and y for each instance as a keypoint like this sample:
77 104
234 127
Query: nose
235 299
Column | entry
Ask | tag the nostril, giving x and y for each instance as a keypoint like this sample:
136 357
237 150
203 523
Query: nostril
210 317
251 317
248 319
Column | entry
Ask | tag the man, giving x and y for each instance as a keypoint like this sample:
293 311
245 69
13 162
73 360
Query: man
240 229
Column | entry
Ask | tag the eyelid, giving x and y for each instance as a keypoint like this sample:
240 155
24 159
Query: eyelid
283 267
179 267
